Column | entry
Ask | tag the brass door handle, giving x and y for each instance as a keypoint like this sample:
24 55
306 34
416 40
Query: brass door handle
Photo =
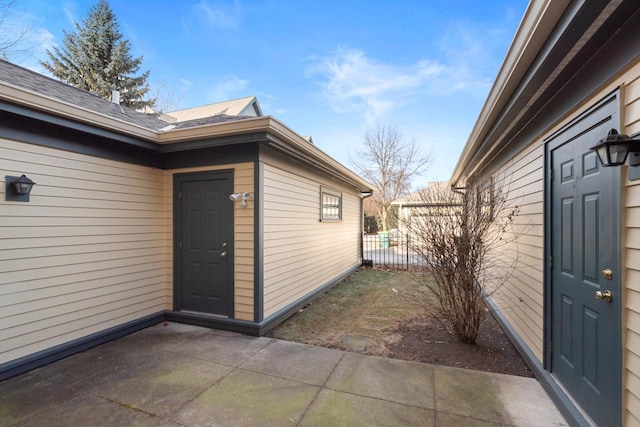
223 254
604 296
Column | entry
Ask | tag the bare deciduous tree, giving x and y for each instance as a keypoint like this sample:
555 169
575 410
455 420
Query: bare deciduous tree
13 37
389 163
457 236
167 98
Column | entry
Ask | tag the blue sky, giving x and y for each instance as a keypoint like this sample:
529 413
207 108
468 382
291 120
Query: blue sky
329 69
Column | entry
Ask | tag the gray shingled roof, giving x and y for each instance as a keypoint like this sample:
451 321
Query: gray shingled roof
30 80
219 118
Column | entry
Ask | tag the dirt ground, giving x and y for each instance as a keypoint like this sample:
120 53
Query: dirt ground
425 340
376 312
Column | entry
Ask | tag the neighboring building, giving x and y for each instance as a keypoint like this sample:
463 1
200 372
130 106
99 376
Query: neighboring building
248 107
571 74
415 207
131 223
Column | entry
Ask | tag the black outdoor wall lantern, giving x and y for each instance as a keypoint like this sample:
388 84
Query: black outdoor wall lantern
18 188
614 150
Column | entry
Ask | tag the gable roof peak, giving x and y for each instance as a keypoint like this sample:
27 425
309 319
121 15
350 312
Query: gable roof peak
247 106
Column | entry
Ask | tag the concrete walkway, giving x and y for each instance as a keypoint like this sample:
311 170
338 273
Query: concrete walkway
181 375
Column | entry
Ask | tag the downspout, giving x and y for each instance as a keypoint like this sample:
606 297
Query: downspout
363 195
459 190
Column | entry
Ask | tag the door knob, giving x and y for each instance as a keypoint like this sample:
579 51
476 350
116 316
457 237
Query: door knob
607 273
604 296
223 254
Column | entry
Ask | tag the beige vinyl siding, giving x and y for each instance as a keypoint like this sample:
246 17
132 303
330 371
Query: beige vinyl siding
85 254
301 253
520 300
243 180
631 257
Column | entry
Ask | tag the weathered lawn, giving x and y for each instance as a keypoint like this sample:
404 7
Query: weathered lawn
385 313
360 313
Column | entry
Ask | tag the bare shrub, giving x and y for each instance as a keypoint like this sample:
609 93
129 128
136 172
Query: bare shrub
456 234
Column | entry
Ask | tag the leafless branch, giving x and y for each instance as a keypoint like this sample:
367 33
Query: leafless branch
459 236
389 163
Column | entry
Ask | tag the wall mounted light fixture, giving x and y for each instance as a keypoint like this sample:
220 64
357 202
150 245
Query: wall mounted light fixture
241 197
18 188
616 148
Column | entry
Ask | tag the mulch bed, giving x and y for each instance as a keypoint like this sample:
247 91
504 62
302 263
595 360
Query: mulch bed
425 340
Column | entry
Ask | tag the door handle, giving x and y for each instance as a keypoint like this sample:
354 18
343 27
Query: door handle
607 273
223 254
604 296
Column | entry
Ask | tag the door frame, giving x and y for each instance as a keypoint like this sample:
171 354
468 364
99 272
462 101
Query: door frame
606 110
178 179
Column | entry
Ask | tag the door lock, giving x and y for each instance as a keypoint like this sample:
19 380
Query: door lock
604 296
223 254
607 273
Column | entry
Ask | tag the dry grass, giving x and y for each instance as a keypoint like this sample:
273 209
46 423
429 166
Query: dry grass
363 308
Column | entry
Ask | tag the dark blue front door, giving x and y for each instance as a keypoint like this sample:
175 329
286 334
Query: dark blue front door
585 245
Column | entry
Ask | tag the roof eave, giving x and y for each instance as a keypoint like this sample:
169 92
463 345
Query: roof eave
34 100
280 137
537 24
316 156
212 130
282 134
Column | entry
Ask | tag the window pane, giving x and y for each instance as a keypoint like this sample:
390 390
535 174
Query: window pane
331 206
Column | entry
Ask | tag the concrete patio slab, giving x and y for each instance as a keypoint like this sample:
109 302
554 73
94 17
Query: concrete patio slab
178 375
496 398
294 361
160 385
25 397
246 398
78 410
399 381
224 347
170 337
334 408
465 393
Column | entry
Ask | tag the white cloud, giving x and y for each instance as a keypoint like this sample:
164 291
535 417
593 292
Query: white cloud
71 17
186 84
353 82
230 88
465 61
473 52
219 15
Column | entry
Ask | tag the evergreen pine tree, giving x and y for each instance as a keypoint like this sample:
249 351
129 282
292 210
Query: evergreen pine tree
96 58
